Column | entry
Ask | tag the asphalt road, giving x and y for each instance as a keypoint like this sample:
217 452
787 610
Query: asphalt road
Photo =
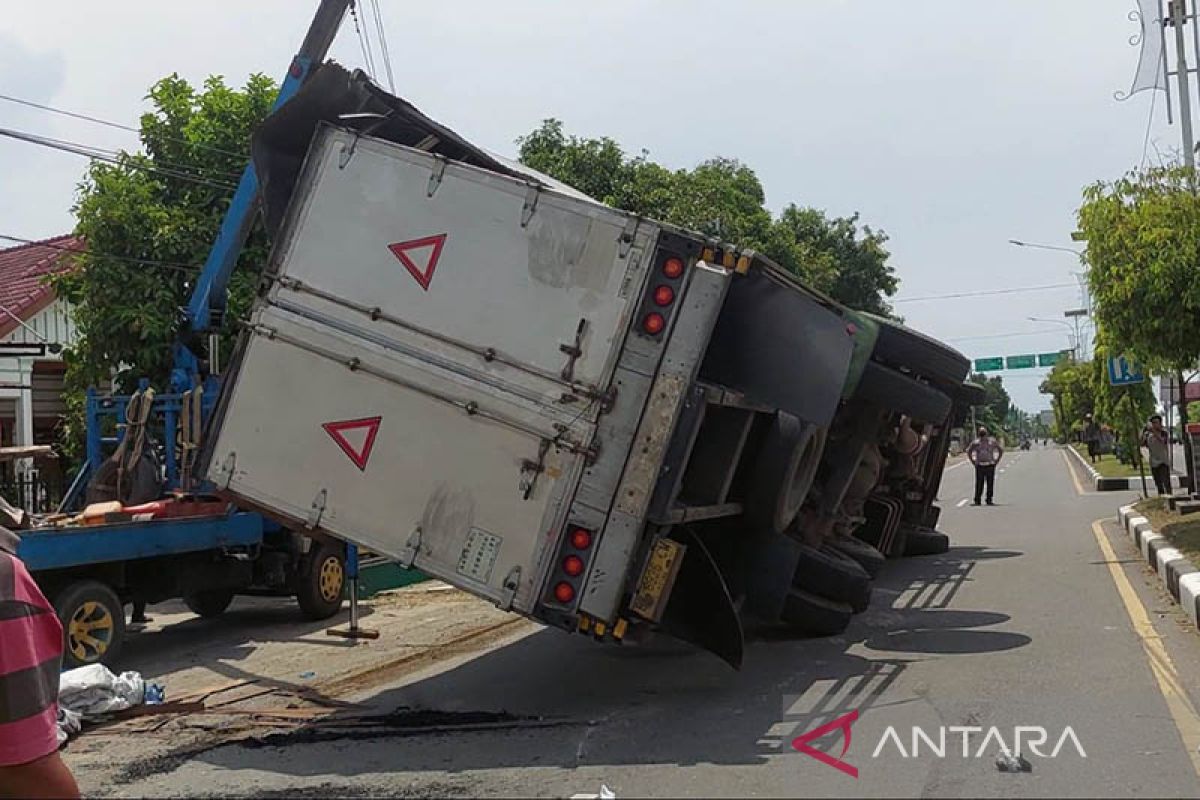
1026 622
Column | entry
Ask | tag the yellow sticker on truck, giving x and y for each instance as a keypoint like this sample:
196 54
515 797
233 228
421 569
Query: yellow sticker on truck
658 576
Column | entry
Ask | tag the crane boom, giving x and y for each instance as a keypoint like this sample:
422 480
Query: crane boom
206 307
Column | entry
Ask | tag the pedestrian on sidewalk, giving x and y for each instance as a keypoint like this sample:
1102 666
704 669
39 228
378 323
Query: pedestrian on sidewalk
985 453
1091 436
1154 439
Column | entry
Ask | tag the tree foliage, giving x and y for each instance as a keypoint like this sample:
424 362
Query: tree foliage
1143 250
163 204
1071 385
995 413
723 197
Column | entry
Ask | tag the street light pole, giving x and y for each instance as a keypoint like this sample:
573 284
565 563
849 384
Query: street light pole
1084 295
1019 243
1075 354
1178 18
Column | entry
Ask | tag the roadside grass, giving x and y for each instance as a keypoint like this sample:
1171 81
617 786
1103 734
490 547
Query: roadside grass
1108 465
1183 532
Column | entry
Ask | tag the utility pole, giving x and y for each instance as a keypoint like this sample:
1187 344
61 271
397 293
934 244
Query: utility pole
1178 19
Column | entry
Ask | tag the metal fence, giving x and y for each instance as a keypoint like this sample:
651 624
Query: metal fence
32 491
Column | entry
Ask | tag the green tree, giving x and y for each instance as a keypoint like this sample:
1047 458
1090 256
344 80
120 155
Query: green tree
723 197
1143 250
994 413
1071 386
847 263
163 204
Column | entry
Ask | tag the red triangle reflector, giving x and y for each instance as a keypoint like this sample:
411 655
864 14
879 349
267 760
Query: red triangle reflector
357 449
423 274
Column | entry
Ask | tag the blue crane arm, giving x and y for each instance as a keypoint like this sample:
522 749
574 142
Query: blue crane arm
206 307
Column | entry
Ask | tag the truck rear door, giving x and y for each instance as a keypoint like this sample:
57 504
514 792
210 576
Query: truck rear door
424 373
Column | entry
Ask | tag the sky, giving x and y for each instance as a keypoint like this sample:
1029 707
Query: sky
953 126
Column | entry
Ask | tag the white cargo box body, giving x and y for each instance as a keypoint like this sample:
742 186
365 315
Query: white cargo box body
407 385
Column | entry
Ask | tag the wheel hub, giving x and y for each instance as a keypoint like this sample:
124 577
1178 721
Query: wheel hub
330 579
90 631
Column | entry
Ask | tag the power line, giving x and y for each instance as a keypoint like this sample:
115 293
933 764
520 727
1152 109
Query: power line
117 125
1014 290
1005 335
106 153
102 155
147 262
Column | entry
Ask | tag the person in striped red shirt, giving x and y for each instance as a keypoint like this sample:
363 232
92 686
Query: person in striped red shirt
31 648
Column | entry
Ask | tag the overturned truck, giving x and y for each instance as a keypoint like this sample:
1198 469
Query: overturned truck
597 420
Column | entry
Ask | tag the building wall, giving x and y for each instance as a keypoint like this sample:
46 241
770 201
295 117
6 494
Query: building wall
31 397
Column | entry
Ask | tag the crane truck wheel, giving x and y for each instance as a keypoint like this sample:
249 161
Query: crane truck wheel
322 580
209 603
924 542
867 556
834 576
93 621
787 466
813 615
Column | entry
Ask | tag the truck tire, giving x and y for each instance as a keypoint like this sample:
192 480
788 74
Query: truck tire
904 347
322 580
867 556
786 468
209 603
834 576
93 621
812 615
895 391
924 542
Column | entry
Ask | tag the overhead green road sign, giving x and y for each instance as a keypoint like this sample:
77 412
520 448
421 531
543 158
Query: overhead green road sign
1050 359
989 364
1020 362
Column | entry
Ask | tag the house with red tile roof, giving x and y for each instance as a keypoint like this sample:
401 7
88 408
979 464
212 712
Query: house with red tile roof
34 327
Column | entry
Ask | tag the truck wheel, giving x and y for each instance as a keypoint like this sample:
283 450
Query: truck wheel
924 542
786 468
209 603
832 575
895 391
322 580
867 556
93 621
809 614
904 347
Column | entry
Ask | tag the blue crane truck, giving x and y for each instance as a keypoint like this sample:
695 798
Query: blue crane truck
161 535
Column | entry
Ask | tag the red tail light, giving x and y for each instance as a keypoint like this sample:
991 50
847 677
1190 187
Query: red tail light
672 267
564 592
573 566
653 323
664 296
581 539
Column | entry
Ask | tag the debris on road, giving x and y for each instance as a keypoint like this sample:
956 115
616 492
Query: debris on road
605 794
94 691
1006 762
